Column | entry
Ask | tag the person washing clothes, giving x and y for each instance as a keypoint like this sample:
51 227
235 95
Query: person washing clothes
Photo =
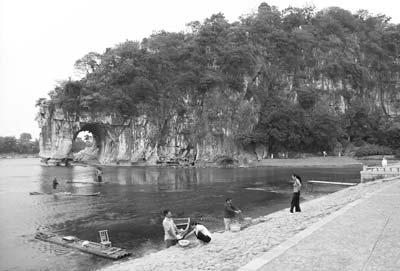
200 231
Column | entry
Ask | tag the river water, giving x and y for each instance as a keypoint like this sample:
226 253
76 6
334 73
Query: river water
130 205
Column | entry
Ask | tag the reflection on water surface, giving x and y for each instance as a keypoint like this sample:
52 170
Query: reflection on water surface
130 205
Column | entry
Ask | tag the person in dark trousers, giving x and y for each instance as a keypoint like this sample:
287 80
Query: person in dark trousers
99 174
55 183
296 193
200 231
229 213
170 229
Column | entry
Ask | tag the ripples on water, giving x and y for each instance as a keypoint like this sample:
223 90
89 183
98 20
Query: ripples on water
130 205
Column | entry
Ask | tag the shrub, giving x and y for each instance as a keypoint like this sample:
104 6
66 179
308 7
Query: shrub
359 143
373 150
225 160
397 154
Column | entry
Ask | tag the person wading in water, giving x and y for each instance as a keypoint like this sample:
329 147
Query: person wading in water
229 213
99 174
296 193
55 183
170 229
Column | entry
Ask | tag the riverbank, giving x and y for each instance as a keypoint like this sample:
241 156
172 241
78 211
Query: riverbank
18 155
363 235
329 161
229 251
323 162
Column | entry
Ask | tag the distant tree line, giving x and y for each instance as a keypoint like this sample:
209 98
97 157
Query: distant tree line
278 59
23 145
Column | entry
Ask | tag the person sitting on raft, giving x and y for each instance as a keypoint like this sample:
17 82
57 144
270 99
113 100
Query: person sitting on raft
200 231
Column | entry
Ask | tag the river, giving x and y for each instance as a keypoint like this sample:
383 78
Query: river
130 205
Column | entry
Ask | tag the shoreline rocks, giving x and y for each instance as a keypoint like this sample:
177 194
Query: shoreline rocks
283 163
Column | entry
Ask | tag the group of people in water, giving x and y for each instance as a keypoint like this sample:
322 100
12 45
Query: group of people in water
98 172
172 234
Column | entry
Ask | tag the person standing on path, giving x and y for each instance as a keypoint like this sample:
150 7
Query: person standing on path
229 213
384 162
296 193
170 229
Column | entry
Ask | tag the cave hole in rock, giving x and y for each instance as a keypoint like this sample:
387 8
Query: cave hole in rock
87 143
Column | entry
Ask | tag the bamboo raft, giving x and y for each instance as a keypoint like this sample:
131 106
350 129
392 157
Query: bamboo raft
114 253
66 194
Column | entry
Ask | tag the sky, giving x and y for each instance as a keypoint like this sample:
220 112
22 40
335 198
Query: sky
40 40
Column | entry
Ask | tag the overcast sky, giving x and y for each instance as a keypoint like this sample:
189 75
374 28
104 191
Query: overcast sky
41 39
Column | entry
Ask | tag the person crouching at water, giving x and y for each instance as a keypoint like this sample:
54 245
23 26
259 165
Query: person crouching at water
170 229
200 231
296 193
99 174
229 213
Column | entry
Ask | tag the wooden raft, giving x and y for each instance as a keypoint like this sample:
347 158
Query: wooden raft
66 194
94 248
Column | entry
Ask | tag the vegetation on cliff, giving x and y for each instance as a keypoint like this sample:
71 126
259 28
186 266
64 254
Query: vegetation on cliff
311 80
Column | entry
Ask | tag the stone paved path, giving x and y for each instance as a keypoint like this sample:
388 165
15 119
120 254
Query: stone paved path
365 235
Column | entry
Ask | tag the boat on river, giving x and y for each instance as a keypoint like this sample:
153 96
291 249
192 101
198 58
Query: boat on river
66 194
114 253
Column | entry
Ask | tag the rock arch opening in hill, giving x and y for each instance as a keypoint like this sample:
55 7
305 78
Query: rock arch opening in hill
136 140
89 147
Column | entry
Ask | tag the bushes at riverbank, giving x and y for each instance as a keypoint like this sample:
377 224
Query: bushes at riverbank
371 149
10 146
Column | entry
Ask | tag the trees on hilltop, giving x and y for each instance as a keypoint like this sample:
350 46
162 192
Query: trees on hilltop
317 77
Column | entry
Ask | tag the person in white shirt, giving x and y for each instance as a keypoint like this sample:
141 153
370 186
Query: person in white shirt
384 162
296 193
170 229
200 231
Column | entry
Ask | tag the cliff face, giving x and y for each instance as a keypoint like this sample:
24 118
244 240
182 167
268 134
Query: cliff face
200 134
